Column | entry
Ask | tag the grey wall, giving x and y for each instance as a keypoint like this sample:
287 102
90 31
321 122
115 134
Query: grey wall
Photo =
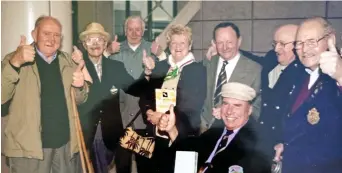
258 20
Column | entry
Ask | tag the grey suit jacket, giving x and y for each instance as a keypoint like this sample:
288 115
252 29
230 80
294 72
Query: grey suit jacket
246 71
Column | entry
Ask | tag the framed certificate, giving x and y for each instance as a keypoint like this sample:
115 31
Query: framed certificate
164 98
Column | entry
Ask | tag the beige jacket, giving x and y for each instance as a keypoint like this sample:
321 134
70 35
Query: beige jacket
23 131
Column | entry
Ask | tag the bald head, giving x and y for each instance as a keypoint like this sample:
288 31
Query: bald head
284 38
287 32
43 19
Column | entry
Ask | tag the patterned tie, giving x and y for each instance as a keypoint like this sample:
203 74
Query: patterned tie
207 167
222 79
98 68
224 141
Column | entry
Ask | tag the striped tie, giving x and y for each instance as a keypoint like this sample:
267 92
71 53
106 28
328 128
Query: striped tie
222 79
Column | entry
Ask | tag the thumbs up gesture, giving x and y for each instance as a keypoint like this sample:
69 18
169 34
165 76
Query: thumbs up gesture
148 63
331 62
24 53
155 47
167 122
77 55
114 47
77 76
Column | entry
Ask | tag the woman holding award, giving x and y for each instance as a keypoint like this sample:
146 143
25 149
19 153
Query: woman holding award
177 80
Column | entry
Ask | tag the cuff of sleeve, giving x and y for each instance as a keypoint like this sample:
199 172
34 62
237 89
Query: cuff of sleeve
162 56
106 53
17 69
160 135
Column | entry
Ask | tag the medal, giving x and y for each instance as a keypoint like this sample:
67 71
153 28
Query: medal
313 116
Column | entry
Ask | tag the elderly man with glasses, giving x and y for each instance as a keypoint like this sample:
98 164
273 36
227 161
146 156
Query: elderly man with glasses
277 81
100 115
312 126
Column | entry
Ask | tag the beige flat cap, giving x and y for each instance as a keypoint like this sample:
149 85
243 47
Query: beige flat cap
238 91
94 28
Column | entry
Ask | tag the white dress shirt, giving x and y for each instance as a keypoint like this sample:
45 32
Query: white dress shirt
134 47
273 75
313 76
229 67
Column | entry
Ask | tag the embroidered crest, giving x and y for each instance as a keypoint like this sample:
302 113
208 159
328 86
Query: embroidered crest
235 169
113 90
313 116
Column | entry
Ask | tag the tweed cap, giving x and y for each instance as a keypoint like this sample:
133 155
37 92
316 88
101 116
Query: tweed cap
238 91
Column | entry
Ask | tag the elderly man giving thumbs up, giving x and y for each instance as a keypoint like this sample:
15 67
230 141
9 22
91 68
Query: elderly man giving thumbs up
312 128
36 80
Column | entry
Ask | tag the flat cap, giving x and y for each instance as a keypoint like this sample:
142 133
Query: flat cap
238 91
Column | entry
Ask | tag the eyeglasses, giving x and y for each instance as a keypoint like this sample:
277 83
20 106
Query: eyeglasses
93 40
310 43
282 45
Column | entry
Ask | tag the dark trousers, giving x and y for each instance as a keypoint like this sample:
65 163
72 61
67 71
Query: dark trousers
123 160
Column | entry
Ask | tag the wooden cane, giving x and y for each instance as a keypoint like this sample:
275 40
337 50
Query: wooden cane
86 163
84 149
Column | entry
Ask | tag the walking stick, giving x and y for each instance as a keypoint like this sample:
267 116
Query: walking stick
86 164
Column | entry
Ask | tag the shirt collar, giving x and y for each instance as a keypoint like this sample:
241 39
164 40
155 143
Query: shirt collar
98 63
44 57
312 72
134 48
126 45
188 58
234 60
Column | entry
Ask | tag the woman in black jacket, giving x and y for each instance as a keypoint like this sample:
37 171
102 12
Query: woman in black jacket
179 72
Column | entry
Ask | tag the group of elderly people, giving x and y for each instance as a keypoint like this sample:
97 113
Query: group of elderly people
223 110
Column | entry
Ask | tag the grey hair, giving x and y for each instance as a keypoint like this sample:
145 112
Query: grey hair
134 18
43 17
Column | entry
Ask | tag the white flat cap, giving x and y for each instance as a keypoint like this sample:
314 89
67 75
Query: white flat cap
238 91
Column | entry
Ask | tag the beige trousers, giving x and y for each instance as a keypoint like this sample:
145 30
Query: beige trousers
55 161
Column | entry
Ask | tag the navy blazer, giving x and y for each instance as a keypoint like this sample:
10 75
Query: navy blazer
191 93
276 102
311 147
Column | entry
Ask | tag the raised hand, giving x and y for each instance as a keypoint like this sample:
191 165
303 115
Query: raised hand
77 55
211 50
148 63
279 149
155 47
153 117
114 47
167 122
77 76
24 53
331 62
217 113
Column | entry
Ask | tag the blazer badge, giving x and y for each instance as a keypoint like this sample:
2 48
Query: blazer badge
313 116
235 169
113 90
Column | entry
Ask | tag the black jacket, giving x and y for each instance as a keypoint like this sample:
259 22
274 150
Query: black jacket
241 151
191 91
103 105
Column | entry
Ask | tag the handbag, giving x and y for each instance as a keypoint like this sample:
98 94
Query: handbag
134 142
